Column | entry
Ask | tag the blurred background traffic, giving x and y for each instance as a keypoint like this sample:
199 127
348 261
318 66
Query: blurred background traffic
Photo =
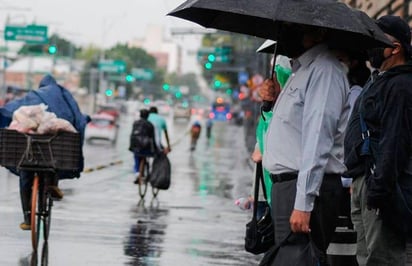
115 56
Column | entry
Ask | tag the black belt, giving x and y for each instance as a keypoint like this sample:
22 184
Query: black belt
283 177
277 178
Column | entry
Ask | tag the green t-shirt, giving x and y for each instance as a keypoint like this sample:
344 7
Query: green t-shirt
261 129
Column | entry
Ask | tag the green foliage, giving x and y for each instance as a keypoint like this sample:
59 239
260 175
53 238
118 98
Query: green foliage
64 47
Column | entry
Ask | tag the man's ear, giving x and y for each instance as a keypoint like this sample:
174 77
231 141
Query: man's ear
397 49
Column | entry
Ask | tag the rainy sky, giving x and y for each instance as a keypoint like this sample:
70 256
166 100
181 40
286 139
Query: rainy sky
88 21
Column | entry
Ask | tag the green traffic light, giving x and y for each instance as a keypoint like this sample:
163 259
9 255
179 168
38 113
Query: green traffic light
178 94
166 87
109 92
208 65
52 49
218 83
211 58
129 78
146 101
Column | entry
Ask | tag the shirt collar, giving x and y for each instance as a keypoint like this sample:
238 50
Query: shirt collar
307 57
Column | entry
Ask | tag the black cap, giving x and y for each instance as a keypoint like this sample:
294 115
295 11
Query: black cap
399 29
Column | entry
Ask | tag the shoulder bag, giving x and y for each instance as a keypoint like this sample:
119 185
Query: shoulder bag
259 233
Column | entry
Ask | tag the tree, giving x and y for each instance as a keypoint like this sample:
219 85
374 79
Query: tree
63 46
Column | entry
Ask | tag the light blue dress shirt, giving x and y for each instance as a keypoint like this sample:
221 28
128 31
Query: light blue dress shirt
307 129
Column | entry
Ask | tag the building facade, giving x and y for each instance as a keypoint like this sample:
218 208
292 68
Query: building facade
378 8
168 55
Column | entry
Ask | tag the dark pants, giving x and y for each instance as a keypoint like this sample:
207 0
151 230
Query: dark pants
323 217
26 183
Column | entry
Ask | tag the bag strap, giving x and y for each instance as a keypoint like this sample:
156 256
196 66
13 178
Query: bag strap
258 174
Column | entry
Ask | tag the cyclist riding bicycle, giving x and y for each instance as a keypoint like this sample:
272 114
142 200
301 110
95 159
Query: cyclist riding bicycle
160 125
142 141
60 102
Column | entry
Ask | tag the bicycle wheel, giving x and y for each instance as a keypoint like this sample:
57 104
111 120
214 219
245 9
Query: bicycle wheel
144 178
155 191
46 214
34 223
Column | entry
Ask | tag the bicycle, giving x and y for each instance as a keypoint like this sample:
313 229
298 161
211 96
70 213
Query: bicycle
144 178
44 155
41 208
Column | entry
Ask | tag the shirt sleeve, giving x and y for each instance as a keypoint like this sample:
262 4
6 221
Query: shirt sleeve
324 101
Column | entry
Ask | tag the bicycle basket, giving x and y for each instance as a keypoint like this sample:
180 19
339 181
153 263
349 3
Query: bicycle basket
60 151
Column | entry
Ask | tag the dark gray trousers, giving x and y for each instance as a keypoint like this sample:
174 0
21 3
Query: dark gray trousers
323 217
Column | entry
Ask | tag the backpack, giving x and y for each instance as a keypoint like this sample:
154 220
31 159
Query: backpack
142 136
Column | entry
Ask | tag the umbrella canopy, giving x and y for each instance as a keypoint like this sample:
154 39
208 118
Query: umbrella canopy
267 47
262 18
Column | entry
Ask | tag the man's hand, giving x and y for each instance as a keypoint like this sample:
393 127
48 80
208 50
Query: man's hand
167 150
299 221
269 90
257 156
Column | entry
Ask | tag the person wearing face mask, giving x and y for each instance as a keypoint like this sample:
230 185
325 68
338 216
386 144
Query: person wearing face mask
385 107
304 141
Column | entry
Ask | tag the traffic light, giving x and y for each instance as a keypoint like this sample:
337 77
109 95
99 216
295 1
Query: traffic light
211 58
109 92
52 49
208 65
217 84
166 87
178 95
129 78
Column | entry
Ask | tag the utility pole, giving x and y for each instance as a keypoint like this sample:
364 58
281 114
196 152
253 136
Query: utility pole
4 53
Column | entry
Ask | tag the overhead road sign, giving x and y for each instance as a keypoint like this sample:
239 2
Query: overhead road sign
142 73
30 34
112 66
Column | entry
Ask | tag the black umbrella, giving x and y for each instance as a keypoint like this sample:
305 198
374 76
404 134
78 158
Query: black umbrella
262 18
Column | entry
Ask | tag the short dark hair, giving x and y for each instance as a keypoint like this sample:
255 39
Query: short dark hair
153 109
144 113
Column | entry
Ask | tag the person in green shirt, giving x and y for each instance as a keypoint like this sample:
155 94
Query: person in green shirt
281 75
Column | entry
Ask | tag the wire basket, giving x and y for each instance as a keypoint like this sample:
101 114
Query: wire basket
60 151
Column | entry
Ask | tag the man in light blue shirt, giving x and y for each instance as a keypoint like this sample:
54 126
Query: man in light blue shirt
304 142
160 125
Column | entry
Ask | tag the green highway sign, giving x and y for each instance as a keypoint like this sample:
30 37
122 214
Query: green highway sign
221 54
142 73
31 34
112 66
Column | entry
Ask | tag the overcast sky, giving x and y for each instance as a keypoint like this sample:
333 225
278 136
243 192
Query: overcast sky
103 23
92 21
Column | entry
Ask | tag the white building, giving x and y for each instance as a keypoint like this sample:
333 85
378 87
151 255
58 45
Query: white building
167 53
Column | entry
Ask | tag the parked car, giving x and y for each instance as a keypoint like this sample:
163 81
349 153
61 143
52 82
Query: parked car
181 111
109 109
102 127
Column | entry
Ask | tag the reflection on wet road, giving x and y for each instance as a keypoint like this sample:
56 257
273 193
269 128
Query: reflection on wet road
100 221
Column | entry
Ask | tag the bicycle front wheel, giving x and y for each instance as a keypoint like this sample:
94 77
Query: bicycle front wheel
155 191
34 223
46 214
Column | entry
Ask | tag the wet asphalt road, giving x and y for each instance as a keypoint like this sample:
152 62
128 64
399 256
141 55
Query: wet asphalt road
99 221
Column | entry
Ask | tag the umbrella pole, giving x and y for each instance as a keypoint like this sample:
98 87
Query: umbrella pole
267 105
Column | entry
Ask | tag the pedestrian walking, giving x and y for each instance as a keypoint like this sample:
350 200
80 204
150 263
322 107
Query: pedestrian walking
383 115
304 142
194 135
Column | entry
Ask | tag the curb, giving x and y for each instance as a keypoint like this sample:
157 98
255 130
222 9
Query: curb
100 167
